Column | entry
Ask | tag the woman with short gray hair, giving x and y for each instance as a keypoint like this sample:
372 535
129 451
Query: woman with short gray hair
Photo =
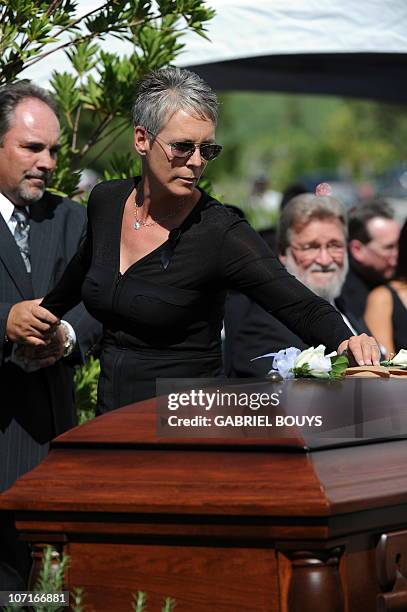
164 92
161 254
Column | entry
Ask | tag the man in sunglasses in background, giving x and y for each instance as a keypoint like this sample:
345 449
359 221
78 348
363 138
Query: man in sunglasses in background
373 250
312 244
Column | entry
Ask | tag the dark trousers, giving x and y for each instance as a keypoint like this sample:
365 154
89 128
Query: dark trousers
15 556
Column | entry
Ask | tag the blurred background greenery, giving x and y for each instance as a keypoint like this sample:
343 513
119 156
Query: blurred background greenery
287 138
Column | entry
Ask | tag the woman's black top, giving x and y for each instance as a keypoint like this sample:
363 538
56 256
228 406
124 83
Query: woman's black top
399 321
163 317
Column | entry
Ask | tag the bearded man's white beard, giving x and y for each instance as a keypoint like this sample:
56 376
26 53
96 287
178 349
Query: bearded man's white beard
332 288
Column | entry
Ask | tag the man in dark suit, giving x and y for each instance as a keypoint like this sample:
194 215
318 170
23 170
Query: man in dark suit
373 249
39 233
311 243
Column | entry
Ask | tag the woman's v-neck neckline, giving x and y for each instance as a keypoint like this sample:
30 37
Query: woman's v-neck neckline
160 247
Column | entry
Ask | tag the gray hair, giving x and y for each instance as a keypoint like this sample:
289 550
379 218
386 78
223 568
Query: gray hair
164 92
14 93
303 209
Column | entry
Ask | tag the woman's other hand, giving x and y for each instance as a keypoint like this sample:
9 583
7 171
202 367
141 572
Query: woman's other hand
362 350
30 323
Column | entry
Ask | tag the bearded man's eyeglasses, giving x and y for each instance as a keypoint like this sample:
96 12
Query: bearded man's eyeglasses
313 249
182 149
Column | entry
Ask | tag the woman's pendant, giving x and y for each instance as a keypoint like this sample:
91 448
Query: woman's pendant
137 225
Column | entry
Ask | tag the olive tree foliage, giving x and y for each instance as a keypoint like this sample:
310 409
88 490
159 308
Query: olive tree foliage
101 82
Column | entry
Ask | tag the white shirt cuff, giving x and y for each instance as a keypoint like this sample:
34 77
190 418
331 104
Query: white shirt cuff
70 332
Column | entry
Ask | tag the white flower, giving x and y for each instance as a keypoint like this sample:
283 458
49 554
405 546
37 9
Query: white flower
320 366
318 363
288 360
400 359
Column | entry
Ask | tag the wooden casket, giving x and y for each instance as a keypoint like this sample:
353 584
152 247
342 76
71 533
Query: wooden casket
288 518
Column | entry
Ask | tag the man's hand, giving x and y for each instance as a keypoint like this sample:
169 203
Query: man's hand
33 358
30 323
362 349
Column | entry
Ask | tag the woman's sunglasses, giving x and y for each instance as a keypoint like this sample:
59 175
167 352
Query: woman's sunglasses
207 151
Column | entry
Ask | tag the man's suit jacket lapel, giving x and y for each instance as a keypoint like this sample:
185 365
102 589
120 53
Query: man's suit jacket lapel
43 245
12 260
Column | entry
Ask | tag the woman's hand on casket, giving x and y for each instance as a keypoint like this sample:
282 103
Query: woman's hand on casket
361 350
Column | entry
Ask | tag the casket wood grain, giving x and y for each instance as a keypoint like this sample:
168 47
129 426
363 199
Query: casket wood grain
220 525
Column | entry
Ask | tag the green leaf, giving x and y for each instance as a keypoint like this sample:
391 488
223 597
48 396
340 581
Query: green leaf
66 92
92 94
86 380
77 599
123 166
169 605
139 602
339 360
83 57
339 365
51 576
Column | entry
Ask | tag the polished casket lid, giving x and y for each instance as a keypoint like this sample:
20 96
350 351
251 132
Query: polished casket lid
118 463
353 411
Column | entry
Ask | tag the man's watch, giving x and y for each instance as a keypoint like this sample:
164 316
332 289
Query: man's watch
69 342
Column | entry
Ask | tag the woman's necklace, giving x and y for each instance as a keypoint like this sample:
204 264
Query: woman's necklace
139 223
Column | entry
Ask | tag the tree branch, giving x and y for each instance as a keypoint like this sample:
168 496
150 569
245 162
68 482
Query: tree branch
75 41
3 12
91 141
80 39
100 8
66 28
76 127
107 146
52 7
79 19
115 128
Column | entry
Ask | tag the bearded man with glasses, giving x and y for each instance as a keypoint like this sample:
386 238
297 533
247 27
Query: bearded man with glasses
312 244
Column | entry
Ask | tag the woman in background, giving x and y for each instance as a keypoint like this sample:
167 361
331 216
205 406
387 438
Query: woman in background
386 308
